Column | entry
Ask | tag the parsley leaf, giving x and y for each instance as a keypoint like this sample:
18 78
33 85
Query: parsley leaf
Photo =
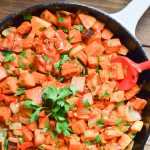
23 54
87 142
9 71
65 29
30 104
47 127
21 140
63 126
28 17
100 122
97 139
105 94
5 145
133 135
8 56
119 103
64 58
20 91
118 121
60 19
47 59
22 65
79 27
64 92
84 72
35 115
86 103
73 89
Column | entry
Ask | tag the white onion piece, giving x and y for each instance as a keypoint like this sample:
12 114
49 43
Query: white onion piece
24 120
132 114
7 31
14 107
17 132
15 126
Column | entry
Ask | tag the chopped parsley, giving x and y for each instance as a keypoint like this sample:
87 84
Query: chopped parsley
8 56
23 54
100 122
20 91
60 19
104 94
79 27
47 59
118 121
133 135
27 17
65 29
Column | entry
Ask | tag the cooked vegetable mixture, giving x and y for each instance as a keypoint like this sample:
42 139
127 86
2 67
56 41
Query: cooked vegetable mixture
58 86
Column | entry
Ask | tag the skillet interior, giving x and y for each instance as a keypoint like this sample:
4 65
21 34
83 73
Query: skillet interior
136 51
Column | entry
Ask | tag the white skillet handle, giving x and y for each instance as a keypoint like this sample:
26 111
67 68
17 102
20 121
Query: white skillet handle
131 14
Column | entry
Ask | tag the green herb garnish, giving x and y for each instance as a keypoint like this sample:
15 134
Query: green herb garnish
28 17
79 27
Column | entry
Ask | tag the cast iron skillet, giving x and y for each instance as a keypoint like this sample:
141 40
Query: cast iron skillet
127 38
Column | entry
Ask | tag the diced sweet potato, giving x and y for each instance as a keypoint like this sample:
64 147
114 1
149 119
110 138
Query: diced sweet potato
77 52
39 78
129 94
117 96
104 75
26 79
92 62
139 104
75 36
111 146
79 127
35 94
27 134
90 135
39 137
43 121
112 133
94 49
74 145
13 143
91 147
87 20
112 46
88 97
107 89
71 68
24 28
9 85
123 50
63 148
48 16
137 126
124 141
106 34
104 62
5 113
3 73
65 23
117 72
96 37
32 126
79 82
98 26
38 24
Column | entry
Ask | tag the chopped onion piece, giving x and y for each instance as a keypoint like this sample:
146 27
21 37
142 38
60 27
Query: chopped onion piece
14 107
17 132
24 120
132 114
15 126
7 31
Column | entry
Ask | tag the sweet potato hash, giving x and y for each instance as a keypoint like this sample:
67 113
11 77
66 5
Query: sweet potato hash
58 86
